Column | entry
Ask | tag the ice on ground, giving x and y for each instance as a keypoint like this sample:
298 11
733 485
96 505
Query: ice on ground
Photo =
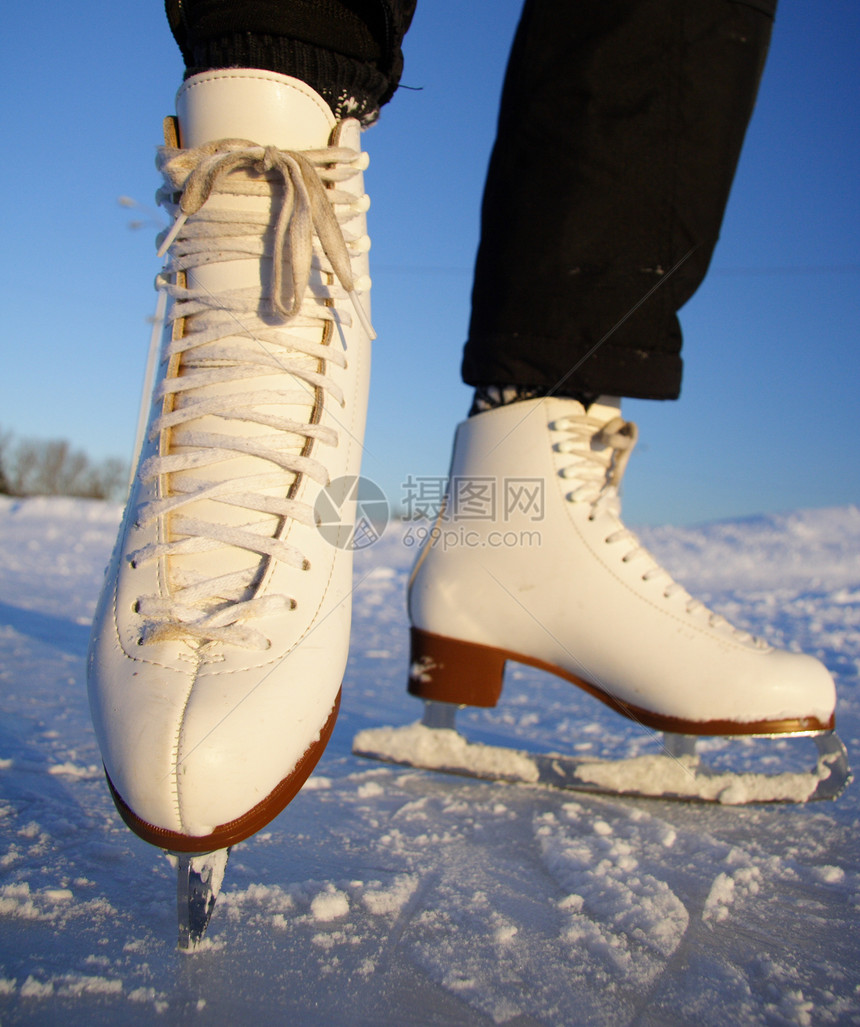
744 881
393 896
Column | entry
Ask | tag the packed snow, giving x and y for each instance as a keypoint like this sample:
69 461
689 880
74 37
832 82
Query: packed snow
388 895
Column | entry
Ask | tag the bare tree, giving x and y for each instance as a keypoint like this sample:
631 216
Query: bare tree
109 479
5 444
51 467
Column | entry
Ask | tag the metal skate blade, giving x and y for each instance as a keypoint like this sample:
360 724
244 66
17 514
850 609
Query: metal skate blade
198 882
832 753
675 773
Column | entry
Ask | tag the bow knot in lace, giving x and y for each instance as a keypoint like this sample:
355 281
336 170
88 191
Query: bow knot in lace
603 451
306 207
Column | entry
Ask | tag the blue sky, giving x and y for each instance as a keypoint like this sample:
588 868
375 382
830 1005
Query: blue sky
768 418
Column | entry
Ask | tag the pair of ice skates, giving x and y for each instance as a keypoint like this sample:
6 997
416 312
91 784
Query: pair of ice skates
220 640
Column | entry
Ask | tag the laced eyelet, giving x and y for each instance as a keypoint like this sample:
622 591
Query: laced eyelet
203 174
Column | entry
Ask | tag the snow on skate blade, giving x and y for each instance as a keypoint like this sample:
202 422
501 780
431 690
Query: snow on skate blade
682 777
199 880
443 749
663 776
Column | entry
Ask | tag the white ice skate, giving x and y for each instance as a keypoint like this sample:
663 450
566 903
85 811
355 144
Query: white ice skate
585 601
221 637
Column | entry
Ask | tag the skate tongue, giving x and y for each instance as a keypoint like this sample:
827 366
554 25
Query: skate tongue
240 103
604 408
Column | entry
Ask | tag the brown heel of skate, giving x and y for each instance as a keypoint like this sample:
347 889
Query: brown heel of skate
447 670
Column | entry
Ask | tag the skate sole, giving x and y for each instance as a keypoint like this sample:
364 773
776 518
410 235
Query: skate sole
242 827
469 674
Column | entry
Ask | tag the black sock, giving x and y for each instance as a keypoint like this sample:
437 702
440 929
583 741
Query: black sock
348 51
488 397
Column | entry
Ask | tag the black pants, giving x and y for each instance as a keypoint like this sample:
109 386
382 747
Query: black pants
620 128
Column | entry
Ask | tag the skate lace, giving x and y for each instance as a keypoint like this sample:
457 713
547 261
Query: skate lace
231 339
602 451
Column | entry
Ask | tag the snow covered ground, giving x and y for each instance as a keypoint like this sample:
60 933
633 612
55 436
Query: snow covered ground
390 896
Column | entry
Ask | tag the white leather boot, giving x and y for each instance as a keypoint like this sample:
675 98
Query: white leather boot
530 561
221 637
